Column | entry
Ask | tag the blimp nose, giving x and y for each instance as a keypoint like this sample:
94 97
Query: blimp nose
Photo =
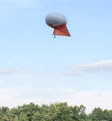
55 19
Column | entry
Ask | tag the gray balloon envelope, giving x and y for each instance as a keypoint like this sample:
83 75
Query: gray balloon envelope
55 19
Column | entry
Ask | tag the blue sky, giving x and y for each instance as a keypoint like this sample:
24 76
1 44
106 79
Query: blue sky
36 67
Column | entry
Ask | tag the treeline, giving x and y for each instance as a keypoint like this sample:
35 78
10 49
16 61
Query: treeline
53 112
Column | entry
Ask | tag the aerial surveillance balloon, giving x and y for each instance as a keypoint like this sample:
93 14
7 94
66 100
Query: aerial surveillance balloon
58 22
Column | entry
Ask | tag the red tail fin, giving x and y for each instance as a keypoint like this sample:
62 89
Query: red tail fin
61 30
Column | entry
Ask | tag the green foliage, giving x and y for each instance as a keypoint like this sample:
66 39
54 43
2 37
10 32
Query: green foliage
99 115
53 112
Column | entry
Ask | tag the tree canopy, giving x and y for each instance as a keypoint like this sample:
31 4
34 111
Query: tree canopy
53 112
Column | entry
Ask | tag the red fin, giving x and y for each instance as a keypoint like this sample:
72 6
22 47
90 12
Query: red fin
61 30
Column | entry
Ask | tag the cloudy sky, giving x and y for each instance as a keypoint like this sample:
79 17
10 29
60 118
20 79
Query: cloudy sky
35 67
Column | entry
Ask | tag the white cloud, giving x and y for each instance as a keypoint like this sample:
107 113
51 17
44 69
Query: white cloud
70 74
6 72
10 72
90 99
98 66
67 90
